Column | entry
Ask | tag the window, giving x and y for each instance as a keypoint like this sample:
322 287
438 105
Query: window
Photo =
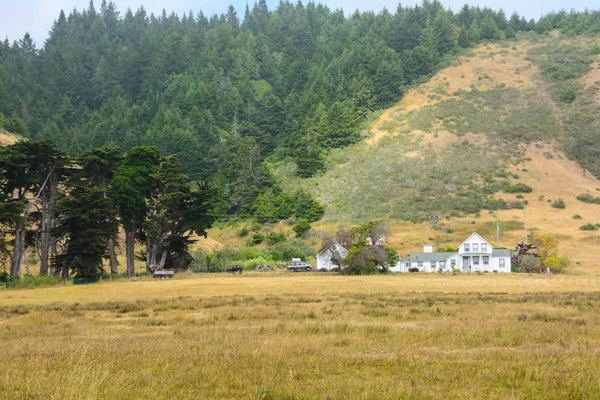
452 263
484 247
467 247
475 247
486 260
475 260
420 264
433 264
501 262
442 264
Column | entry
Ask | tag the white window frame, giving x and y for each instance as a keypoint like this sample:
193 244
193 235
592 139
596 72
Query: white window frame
442 264
486 260
484 247
501 263
475 260
467 247
475 247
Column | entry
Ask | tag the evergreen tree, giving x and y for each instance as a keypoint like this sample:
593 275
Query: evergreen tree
98 167
86 219
130 188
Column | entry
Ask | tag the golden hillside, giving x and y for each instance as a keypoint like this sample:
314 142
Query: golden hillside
389 174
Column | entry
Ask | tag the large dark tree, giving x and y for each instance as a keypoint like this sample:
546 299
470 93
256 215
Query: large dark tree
29 174
176 211
99 167
131 186
85 218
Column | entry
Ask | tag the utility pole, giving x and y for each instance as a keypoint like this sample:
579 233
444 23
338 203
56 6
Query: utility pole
497 223
525 221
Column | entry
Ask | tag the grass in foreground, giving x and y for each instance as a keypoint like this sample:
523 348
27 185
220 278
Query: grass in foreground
291 337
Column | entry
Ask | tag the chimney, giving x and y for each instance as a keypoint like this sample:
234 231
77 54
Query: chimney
427 248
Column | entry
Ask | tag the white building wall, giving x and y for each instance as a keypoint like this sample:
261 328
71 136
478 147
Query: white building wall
324 258
401 267
496 265
474 243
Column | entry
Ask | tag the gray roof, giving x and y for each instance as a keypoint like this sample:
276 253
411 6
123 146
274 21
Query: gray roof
500 253
441 256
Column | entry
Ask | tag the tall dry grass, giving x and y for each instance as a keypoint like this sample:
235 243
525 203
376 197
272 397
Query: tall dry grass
303 337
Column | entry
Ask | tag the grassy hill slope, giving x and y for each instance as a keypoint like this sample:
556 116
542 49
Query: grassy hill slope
497 116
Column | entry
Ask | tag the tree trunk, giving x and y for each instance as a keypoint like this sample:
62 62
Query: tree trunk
113 256
45 236
149 254
64 273
163 259
15 267
23 253
129 250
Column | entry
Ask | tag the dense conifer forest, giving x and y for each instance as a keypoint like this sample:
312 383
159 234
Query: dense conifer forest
227 92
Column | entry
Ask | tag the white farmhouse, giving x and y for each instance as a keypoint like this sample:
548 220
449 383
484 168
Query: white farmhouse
474 255
325 259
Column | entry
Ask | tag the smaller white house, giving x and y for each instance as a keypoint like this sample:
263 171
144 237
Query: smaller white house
326 260
473 255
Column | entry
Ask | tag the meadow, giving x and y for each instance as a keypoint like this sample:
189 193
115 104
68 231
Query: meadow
305 336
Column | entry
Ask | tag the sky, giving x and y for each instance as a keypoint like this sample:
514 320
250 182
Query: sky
37 16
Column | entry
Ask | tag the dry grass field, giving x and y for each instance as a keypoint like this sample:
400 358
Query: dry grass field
305 336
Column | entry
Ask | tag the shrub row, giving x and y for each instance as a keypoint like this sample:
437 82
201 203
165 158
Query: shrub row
588 198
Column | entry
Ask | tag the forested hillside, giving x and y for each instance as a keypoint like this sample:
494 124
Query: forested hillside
225 93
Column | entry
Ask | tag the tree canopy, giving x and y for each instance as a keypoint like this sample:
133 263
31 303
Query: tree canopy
220 91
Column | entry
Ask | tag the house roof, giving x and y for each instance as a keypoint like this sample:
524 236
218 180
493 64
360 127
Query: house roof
440 256
500 253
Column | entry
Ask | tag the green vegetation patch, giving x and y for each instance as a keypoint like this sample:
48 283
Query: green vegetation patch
517 188
502 113
588 198
559 61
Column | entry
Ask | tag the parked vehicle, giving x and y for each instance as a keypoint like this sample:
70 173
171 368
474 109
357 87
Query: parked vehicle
236 269
299 266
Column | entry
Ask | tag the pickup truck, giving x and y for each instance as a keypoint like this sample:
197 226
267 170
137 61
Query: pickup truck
299 266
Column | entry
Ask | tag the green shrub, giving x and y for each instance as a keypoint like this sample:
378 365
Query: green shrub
588 198
559 203
302 227
589 227
258 238
569 96
273 238
34 281
447 249
517 188
243 232
576 216
285 251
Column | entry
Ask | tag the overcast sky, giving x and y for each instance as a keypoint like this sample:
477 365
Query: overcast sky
37 16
